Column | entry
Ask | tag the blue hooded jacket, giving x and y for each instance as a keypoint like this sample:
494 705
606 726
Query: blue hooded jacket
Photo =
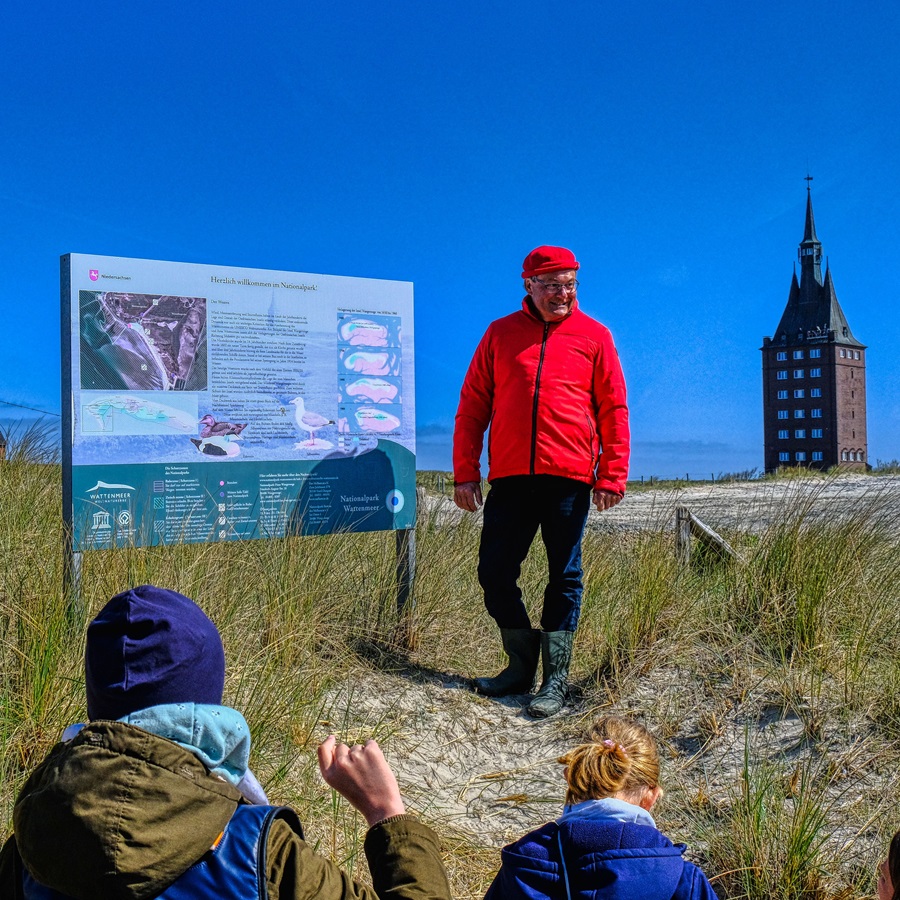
597 858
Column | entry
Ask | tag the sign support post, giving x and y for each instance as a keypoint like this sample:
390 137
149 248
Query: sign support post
406 576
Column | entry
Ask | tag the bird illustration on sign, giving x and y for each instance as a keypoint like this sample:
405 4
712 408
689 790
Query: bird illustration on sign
310 422
212 428
221 445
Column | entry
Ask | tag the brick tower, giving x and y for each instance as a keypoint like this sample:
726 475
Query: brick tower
814 373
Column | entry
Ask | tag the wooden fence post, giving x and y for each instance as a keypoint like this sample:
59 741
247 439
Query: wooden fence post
688 526
683 535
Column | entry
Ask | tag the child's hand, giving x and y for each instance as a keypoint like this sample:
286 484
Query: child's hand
361 774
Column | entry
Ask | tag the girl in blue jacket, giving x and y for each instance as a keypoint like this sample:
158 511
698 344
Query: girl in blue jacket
605 845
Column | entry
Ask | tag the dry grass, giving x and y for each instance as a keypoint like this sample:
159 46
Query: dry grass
773 685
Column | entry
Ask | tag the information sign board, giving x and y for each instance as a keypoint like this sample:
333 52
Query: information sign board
209 402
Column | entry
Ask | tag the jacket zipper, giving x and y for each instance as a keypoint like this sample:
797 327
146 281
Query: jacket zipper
537 391
592 447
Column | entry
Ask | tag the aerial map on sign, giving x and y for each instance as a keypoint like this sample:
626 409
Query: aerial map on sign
211 403
142 341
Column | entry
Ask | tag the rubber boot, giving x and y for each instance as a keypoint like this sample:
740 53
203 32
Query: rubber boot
522 646
556 654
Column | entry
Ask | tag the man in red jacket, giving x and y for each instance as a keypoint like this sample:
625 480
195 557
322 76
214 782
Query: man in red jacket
548 382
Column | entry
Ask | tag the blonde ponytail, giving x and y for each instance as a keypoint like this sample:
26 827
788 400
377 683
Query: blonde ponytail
619 758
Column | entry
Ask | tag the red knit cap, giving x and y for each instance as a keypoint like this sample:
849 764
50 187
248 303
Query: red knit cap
543 260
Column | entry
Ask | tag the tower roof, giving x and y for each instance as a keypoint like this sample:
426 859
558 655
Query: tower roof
813 313
839 324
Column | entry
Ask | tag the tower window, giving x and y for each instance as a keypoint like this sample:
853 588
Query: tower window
799 373
815 392
782 413
815 354
844 455
856 354
816 432
843 353
798 354
816 373
800 456
816 413
817 456
782 355
799 394
784 456
782 375
800 434
783 434
799 413
782 395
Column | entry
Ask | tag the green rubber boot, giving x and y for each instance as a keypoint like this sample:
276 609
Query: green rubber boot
556 654
522 646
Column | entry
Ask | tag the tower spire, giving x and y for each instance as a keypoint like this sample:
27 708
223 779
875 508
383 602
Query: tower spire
809 232
810 251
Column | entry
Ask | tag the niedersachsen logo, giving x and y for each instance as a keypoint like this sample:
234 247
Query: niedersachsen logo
95 274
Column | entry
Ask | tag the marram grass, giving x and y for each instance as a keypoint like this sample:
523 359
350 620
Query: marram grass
805 630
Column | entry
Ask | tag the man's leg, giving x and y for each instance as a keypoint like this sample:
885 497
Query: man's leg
510 524
565 507
511 519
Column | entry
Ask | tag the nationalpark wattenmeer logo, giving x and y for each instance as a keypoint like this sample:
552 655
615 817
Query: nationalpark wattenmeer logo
102 490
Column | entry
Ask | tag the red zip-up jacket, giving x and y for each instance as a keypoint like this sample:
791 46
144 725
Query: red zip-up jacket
553 395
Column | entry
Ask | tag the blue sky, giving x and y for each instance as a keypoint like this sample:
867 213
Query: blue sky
438 143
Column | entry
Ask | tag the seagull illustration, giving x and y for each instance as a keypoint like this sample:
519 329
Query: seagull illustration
212 428
309 421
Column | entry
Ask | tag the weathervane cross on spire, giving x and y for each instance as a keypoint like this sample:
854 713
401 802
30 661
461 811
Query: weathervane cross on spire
808 179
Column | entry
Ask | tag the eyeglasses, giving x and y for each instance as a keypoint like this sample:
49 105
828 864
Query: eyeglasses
554 287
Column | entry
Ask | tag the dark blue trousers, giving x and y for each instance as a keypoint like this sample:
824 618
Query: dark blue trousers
514 509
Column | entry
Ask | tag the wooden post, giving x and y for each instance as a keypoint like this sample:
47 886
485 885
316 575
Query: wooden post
406 568
71 574
406 601
687 525
683 535
406 577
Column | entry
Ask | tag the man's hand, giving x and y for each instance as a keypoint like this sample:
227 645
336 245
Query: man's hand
361 774
605 499
468 495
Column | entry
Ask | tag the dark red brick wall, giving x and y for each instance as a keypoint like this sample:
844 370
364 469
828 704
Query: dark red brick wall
842 404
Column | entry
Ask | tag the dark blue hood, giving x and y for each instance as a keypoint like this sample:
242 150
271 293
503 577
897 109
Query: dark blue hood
604 858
